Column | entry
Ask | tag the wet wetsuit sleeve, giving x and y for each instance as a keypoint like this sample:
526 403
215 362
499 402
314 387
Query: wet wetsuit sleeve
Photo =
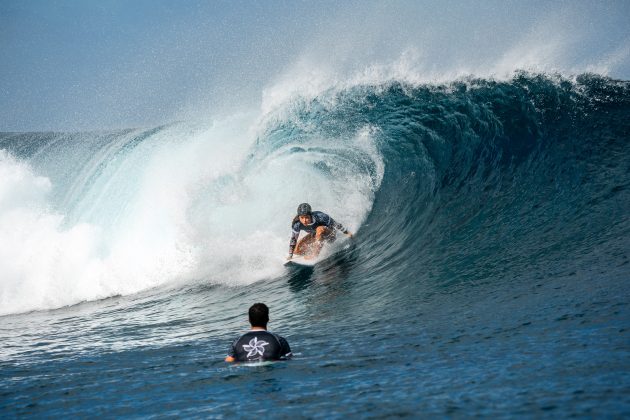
285 349
326 220
294 236
337 225
232 350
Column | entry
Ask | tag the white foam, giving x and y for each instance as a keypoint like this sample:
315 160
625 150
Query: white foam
184 205
42 265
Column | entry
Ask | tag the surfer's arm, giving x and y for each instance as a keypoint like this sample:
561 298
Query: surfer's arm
293 242
340 227
229 359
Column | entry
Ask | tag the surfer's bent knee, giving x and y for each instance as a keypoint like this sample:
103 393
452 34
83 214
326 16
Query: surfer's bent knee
324 233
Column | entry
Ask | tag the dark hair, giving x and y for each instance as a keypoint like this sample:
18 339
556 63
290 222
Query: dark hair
259 315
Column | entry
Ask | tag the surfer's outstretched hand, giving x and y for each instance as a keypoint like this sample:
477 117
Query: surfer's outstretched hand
350 235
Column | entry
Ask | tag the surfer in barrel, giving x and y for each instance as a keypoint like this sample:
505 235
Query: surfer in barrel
320 228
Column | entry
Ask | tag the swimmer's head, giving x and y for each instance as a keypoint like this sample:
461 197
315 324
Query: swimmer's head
259 315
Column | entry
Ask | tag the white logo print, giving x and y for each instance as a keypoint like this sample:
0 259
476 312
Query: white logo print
255 347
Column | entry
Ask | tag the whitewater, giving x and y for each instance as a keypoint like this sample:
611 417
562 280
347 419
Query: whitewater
142 208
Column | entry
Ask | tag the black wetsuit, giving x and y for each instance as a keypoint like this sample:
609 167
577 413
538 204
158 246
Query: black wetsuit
259 345
318 219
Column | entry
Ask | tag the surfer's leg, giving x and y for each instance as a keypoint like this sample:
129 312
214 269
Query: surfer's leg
322 233
304 245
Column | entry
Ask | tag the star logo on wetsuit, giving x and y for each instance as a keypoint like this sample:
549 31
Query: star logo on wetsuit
255 347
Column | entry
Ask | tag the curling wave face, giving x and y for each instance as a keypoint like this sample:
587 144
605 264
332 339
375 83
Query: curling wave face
460 181
485 177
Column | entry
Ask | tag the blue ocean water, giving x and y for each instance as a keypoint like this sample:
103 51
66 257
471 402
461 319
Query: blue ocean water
488 275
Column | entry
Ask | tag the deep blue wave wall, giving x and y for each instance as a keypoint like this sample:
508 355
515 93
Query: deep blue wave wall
504 175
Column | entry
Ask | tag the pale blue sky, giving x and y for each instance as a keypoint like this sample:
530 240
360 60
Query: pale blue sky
74 65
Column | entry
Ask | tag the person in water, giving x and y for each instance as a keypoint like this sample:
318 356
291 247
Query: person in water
258 344
320 228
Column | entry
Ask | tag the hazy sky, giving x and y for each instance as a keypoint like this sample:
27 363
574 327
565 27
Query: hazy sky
75 65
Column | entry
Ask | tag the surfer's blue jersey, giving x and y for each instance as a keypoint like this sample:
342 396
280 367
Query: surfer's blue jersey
318 218
259 345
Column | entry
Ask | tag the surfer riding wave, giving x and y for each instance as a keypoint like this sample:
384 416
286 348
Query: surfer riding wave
320 228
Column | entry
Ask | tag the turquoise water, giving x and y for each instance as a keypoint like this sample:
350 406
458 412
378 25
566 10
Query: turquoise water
488 274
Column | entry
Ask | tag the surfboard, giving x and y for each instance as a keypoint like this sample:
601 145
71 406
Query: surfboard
299 260
326 251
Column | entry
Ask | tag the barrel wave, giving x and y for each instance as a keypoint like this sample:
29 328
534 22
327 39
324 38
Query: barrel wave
489 264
